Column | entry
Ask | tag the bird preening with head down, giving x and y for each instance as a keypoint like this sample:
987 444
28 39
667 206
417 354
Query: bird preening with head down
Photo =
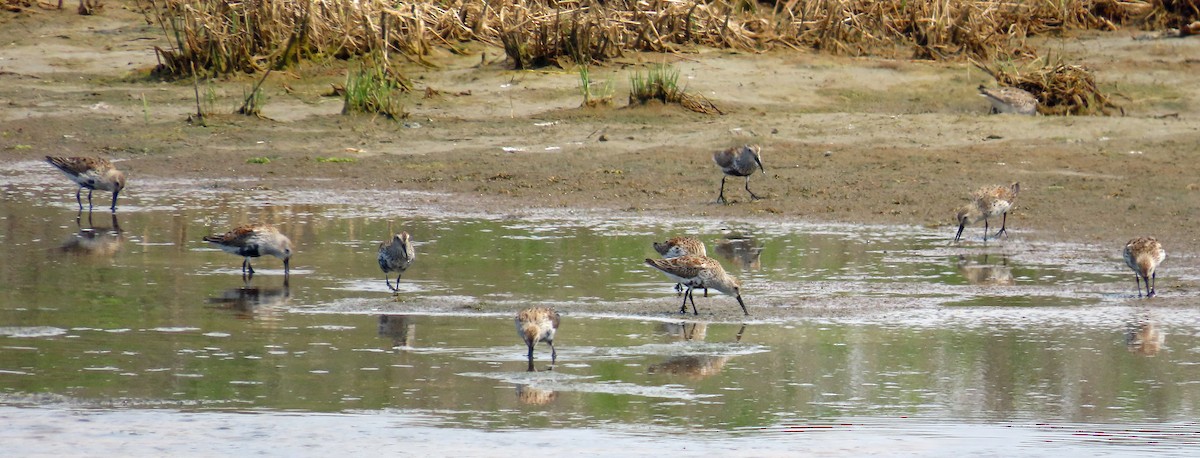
699 271
1143 255
252 241
538 324
92 173
987 202
740 161
395 256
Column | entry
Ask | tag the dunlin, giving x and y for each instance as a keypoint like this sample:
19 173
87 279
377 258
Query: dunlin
987 202
252 241
1143 255
1010 100
699 271
396 256
538 324
92 173
675 247
739 161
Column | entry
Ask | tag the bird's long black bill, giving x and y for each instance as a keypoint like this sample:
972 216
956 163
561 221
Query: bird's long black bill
743 304
960 229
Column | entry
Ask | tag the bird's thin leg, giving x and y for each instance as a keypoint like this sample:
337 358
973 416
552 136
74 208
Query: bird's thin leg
530 356
553 354
1137 278
721 196
90 199
78 200
388 279
705 291
693 299
1152 282
114 202
683 307
985 229
1003 226
246 267
752 195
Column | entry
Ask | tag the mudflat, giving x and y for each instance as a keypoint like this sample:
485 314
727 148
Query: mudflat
856 140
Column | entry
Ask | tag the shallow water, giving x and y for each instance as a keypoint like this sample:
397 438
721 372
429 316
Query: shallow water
866 339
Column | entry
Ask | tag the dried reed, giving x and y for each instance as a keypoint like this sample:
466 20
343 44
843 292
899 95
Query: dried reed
1061 89
226 36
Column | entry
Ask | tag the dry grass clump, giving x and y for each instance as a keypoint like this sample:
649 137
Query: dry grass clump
1061 89
226 36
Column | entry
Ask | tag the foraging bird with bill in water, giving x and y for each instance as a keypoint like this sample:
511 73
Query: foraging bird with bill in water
739 161
92 173
538 324
699 271
1143 255
987 202
252 241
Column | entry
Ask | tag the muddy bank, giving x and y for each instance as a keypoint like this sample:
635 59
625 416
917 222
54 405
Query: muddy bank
851 140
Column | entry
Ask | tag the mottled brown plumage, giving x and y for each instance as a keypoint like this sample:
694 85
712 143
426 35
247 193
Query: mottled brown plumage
675 247
1010 99
987 202
538 324
698 271
91 173
252 241
1143 255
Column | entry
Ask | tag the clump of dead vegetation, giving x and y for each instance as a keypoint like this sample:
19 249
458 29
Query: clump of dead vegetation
226 36
1061 89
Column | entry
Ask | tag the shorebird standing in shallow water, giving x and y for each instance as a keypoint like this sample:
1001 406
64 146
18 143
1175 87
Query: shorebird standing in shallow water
396 256
538 324
1010 100
739 161
1143 255
252 241
987 202
698 271
92 173
675 247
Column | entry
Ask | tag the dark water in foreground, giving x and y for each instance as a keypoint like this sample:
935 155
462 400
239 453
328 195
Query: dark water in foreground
131 333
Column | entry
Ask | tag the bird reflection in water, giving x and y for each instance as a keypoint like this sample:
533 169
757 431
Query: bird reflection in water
399 328
98 241
1142 336
253 302
984 274
527 394
686 330
743 250
694 366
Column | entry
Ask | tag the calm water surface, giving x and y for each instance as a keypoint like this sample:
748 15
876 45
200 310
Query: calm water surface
863 339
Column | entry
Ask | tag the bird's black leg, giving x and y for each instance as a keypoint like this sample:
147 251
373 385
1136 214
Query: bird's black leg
985 229
78 200
1003 226
693 299
553 355
1137 279
752 195
114 202
683 307
705 291
89 200
530 356
1152 282
721 196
